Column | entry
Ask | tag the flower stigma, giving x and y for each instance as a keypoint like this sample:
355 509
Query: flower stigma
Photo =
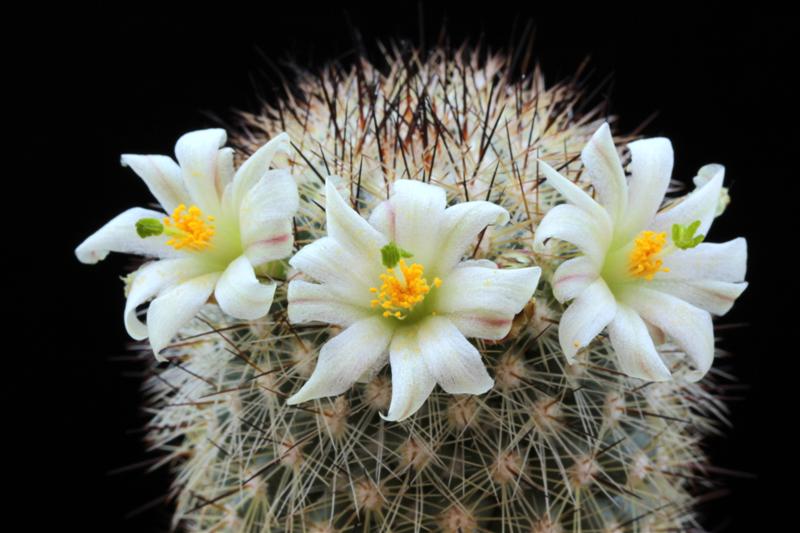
643 261
684 236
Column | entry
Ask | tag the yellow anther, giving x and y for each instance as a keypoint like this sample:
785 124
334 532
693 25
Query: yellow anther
187 228
643 261
403 287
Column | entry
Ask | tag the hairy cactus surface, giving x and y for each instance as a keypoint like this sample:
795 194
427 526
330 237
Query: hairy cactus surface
551 448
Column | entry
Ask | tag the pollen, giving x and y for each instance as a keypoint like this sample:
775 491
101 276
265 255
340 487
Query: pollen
188 229
644 261
403 287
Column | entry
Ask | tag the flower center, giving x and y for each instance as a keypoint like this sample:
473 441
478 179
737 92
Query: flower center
643 261
403 287
188 229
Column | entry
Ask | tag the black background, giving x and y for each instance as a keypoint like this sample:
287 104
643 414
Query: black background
94 83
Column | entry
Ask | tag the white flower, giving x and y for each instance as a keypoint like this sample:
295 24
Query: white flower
418 311
642 272
223 226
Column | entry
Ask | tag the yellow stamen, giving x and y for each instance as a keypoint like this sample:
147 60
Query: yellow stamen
403 287
643 261
187 228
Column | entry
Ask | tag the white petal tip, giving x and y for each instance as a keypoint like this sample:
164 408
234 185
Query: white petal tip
88 257
297 398
487 386
302 396
389 418
157 354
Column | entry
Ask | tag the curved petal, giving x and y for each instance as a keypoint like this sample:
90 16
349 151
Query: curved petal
453 362
275 241
197 153
651 168
152 279
382 219
585 318
460 225
725 261
418 208
175 307
311 302
162 176
691 328
574 194
412 383
485 300
572 277
349 229
573 225
700 204
119 235
716 297
266 213
330 263
345 358
240 294
602 162
224 170
636 354
251 171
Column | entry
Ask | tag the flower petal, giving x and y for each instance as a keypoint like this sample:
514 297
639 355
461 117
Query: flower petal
311 302
175 307
453 362
418 208
651 168
275 241
349 229
725 261
119 235
150 280
252 170
265 215
345 358
382 219
700 204
412 382
691 328
574 194
483 301
716 297
460 225
162 176
240 294
197 153
636 354
602 162
586 317
573 225
572 277
349 277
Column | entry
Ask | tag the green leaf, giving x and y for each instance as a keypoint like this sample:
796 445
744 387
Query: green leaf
149 227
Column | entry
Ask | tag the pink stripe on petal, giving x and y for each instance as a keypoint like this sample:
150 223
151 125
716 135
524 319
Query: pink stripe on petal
564 279
274 240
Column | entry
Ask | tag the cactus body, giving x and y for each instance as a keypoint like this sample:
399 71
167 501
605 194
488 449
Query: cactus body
552 448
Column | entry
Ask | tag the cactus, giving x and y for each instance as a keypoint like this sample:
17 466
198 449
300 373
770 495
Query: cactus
551 448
